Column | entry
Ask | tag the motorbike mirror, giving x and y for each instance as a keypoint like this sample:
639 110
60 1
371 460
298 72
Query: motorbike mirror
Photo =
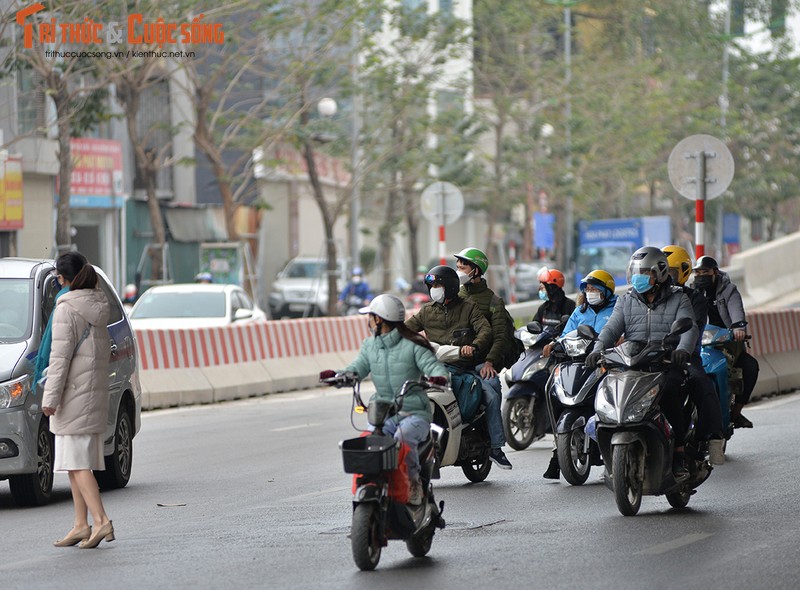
534 327
586 331
680 326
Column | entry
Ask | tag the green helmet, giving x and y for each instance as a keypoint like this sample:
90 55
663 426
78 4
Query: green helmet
476 257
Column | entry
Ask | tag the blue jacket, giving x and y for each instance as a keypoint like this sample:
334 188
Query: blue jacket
392 360
358 289
590 317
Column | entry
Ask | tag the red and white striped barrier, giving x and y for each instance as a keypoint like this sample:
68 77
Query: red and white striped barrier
774 331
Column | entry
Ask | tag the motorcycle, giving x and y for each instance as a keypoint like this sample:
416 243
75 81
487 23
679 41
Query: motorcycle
351 305
574 386
414 301
635 438
373 458
461 442
718 365
524 414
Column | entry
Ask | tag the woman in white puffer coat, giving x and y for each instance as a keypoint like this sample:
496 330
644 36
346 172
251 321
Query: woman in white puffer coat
76 394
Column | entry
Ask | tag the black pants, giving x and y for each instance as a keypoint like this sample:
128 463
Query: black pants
671 405
749 366
705 398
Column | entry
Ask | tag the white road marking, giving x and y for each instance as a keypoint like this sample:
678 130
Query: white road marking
295 427
676 544
294 498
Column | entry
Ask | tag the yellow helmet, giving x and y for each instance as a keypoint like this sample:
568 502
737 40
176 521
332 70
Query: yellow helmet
679 261
599 278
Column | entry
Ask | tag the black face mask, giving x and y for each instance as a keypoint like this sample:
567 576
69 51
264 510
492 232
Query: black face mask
704 282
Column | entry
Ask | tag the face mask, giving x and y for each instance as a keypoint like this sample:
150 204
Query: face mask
437 294
543 295
593 297
703 281
463 277
641 283
356 280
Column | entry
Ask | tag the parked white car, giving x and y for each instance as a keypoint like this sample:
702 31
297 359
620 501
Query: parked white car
194 305
301 288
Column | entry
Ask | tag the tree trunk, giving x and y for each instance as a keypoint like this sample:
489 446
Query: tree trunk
412 223
63 219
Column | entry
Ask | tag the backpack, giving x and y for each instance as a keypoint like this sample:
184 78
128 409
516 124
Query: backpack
514 347
468 391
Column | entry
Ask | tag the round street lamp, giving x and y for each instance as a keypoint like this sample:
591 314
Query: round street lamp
327 107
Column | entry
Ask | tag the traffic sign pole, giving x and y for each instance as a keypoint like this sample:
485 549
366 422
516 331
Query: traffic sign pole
700 206
442 251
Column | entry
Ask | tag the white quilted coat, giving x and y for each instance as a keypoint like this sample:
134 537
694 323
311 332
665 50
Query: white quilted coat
78 386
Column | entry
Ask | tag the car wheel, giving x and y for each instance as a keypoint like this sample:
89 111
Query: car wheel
35 489
119 462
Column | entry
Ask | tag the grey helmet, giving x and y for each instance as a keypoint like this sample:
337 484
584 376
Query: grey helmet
651 259
386 306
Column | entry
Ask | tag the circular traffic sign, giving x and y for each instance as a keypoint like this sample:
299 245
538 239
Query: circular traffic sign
683 166
442 202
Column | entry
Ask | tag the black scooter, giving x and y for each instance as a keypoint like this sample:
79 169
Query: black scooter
374 459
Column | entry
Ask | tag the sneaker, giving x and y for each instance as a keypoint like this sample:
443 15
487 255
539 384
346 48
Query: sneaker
415 495
741 422
679 466
716 452
553 470
499 458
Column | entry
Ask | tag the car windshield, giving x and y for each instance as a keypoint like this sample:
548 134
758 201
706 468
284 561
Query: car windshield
15 309
305 269
180 305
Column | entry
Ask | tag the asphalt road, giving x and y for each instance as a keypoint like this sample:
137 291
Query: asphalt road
251 494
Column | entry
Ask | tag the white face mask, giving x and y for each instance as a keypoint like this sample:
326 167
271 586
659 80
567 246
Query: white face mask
593 297
463 277
437 294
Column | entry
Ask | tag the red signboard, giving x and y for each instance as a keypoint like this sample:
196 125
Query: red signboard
97 167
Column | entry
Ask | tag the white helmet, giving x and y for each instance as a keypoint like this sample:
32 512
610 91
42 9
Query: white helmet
388 307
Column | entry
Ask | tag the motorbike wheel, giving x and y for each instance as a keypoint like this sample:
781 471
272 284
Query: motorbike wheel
478 470
365 536
419 544
574 463
626 462
518 423
679 499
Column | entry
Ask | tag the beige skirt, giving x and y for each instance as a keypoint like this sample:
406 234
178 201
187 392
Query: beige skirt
79 451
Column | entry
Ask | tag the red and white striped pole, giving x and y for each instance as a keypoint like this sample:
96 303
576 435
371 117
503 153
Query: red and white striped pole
700 206
442 253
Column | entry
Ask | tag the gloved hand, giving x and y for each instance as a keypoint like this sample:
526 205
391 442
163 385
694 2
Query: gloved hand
438 380
679 357
326 374
592 359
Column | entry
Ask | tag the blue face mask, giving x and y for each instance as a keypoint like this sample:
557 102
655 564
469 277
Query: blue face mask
543 295
641 283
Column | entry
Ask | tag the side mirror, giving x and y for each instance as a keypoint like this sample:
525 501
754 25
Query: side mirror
586 331
534 327
242 314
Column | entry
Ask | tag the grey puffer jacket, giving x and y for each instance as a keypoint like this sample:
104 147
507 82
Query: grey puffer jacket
729 301
77 380
641 321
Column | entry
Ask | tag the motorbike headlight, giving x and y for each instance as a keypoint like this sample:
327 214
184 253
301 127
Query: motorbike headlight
13 393
604 404
708 337
574 346
537 366
635 410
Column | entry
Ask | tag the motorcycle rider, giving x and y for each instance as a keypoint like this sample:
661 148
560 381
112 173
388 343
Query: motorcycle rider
357 286
644 314
709 423
555 302
471 265
394 354
418 285
725 308
595 304
442 318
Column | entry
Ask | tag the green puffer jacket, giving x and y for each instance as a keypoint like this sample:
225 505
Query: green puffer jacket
494 310
459 322
392 360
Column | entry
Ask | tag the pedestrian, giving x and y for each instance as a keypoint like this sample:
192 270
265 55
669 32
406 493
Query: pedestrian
76 394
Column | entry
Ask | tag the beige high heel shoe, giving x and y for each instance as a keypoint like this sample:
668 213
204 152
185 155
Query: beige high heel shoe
104 532
74 538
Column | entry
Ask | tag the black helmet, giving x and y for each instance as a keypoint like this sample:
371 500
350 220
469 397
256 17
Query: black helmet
706 263
447 277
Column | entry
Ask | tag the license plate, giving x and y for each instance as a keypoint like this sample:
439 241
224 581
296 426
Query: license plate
297 306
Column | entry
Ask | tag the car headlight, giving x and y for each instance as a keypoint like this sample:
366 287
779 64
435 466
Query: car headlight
13 393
